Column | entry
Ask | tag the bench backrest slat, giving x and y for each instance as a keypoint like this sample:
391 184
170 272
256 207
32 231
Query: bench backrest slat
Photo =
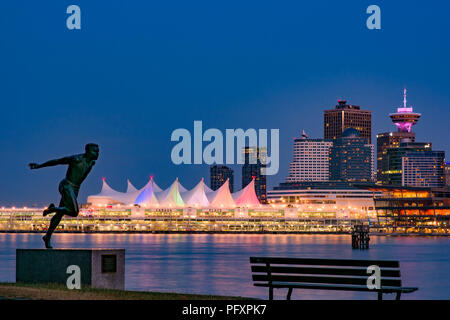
329 280
361 272
326 262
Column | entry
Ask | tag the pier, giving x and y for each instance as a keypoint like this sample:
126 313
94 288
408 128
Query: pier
360 237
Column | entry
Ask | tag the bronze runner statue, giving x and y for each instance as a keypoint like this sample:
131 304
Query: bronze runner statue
79 167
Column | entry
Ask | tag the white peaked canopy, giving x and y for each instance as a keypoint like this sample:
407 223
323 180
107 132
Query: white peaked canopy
129 196
147 195
247 196
107 191
172 195
130 187
106 195
177 196
197 196
156 188
221 197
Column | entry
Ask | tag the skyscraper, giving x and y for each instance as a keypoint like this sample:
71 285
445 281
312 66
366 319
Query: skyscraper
252 169
390 139
413 164
219 174
447 174
351 158
311 160
345 116
404 119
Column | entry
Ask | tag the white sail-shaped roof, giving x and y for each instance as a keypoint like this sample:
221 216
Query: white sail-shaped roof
147 196
172 195
221 197
207 189
247 196
155 187
107 191
106 195
130 187
196 196
127 197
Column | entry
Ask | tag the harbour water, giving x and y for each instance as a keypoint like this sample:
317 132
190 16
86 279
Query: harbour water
218 264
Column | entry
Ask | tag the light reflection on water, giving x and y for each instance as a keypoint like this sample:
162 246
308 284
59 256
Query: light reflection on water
218 264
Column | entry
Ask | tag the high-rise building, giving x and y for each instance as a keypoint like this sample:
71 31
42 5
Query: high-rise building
404 119
447 174
254 162
423 169
390 139
413 164
311 160
351 158
219 174
345 116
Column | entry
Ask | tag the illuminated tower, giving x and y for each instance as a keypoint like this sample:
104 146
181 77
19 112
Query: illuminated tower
404 118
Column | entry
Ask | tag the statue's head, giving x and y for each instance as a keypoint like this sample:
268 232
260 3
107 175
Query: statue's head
92 151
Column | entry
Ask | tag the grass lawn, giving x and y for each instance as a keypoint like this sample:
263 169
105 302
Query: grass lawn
60 292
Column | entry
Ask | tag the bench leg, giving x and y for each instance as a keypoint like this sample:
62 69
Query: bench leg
270 293
398 295
289 294
380 295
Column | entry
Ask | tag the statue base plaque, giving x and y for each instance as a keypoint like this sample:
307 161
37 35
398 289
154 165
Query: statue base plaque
96 268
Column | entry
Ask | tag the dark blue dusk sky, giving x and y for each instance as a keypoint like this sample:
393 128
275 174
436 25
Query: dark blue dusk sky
137 70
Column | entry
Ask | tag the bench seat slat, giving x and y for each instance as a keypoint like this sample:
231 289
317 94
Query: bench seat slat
385 289
326 262
331 280
329 271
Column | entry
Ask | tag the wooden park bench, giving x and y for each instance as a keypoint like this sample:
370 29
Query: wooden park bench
325 274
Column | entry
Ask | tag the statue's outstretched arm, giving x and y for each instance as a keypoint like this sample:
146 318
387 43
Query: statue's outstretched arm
65 160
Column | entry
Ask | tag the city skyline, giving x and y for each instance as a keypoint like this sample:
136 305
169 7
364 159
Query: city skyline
127 85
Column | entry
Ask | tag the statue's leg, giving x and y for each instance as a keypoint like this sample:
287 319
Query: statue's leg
68 205
72 203
54 222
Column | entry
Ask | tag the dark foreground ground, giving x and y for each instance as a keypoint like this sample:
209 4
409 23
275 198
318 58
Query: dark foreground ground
18 291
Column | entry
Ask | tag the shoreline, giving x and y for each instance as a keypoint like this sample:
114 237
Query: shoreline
400 234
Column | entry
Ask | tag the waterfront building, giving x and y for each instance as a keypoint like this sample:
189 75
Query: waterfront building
219 174
139 219
337 199
404 119
311 160
351 158
254 159
344 116
411 209
326 207
413 164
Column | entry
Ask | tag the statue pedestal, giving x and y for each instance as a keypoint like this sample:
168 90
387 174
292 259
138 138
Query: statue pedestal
97 268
